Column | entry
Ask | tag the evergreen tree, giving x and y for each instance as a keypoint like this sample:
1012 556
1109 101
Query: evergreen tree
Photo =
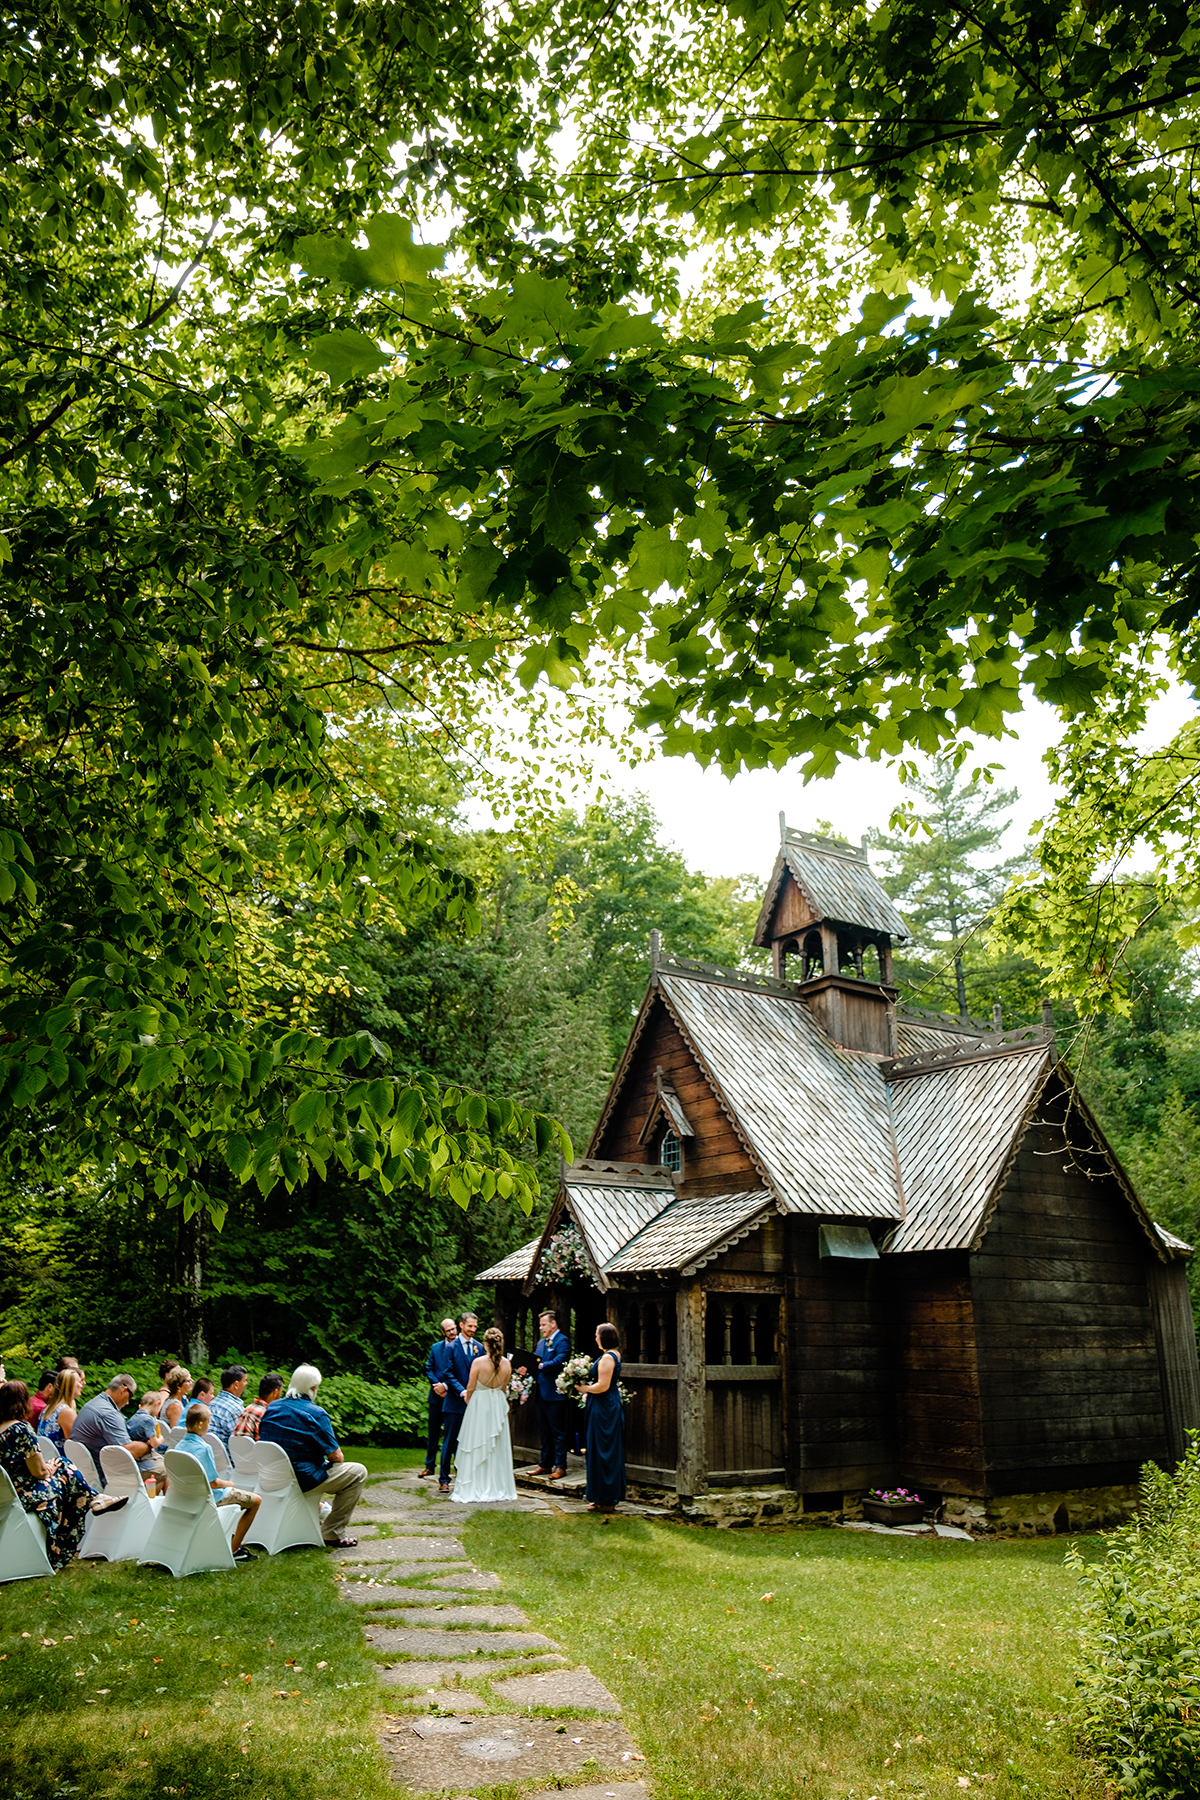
943 873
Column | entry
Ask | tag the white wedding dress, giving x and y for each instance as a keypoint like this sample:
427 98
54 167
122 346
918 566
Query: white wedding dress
483 1458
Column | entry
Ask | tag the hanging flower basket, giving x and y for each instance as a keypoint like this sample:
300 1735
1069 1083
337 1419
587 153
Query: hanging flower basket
564 1258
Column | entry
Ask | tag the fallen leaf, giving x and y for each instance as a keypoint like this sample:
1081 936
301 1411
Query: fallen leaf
766 1597
50 1641
322 1665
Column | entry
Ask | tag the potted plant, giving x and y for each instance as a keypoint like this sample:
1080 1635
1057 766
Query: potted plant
893 1506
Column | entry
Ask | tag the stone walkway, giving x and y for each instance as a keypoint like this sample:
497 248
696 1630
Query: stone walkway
481 1696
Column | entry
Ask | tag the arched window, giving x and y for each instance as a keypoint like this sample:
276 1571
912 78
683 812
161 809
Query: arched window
671 1153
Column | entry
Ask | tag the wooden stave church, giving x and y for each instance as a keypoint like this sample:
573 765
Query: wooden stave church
911 1258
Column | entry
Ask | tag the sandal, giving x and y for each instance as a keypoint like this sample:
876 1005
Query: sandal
341 1543
103 1504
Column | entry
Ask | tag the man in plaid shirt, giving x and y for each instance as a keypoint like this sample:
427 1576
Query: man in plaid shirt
250 1418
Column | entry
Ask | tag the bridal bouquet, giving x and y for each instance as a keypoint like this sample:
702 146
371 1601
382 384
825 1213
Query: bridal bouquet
575 1371
520 1387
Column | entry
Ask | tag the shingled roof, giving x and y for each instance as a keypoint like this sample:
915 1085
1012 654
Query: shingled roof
836 880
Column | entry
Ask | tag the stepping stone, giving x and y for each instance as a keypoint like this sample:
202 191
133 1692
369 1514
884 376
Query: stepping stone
383 1593
454 1700
452 1645
420 1677
460 1615
560 1690
402 1549
481 1581
623 1790
446 1573
515 1748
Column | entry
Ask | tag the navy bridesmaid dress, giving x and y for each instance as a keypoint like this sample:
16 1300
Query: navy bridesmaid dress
606 1440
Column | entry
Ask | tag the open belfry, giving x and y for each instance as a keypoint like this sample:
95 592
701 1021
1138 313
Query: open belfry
850 1245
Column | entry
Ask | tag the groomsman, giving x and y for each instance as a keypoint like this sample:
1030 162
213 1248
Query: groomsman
552 1351
437 1367
463 1352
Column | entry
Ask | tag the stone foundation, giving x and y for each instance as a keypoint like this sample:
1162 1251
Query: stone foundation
998 1515
1042 1515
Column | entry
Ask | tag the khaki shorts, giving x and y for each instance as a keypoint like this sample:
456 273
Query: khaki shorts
236 1497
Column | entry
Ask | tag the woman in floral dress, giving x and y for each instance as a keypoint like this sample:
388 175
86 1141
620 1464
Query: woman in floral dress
59 1497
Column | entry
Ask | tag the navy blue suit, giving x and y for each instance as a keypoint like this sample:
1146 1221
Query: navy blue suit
552 1406
437 1366
463 1352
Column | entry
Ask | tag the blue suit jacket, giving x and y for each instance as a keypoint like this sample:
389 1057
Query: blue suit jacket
553 1353
437 1363
463 1352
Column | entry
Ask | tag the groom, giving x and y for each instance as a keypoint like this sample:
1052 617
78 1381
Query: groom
552 1352
463 1352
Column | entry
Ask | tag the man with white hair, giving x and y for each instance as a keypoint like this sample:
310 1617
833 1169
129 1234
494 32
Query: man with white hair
304 1430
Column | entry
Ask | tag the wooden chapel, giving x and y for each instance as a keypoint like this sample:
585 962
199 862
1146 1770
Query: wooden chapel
848 1245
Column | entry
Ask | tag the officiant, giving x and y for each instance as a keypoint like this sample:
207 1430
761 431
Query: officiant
552 1352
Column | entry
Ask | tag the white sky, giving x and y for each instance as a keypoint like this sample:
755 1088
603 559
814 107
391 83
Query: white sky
732 827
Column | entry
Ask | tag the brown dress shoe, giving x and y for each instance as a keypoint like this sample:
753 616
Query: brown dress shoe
538 1471
557 1474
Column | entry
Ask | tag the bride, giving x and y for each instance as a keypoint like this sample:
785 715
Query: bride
483 1458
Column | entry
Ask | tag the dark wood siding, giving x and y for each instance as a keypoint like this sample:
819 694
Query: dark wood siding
652 1423
743 1427
1064 1327
840 1369
715 1156
939 1427
1176 1330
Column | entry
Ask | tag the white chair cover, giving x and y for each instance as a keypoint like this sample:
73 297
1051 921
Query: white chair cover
83 1462
244 1451
220 1454
173 1433
22 1540
120 1536
190 1533
49 1449
287 1518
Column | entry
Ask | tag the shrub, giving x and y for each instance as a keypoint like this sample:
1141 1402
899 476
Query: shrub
363 1412
1139 1685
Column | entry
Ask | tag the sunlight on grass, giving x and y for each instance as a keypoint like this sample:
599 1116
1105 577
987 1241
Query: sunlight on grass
119 1683
822 1664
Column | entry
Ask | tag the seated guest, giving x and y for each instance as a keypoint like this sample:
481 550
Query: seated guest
223 1490
100 1422
58 1415
179 1387
250 1417
166 1365
203 1391
58 1496
39 1400
144 1428
304 1430
228 1403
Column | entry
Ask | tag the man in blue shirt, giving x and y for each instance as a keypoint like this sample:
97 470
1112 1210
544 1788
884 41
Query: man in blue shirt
552 1351
228 1403
463 1352
223 1490
437 1368
305 1431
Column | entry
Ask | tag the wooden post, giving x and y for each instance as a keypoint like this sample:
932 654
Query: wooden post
692 1467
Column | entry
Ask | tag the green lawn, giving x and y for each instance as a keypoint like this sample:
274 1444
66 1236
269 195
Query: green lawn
878 1667
252 1685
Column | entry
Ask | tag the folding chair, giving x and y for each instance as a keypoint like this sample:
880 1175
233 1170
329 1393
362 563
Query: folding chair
120 1536
191 1532
244 1451
220 1453
82 1458
287 1518
22 1539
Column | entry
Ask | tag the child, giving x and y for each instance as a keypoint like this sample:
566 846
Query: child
224 1492
145 1428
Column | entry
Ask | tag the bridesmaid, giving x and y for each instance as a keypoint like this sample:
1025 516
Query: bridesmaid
605 1425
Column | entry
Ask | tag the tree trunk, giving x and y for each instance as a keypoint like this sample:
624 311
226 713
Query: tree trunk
193 1255
961 985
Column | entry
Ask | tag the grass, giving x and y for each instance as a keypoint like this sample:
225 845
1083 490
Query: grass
383 1462
879 1669
118 1683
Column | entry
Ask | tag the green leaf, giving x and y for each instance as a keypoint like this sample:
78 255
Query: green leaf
342 355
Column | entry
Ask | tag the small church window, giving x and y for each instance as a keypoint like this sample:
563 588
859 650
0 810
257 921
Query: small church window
671 1154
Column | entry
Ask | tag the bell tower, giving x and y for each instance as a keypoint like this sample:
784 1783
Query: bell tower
826 912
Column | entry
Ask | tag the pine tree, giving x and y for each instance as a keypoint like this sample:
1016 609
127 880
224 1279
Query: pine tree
941 872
